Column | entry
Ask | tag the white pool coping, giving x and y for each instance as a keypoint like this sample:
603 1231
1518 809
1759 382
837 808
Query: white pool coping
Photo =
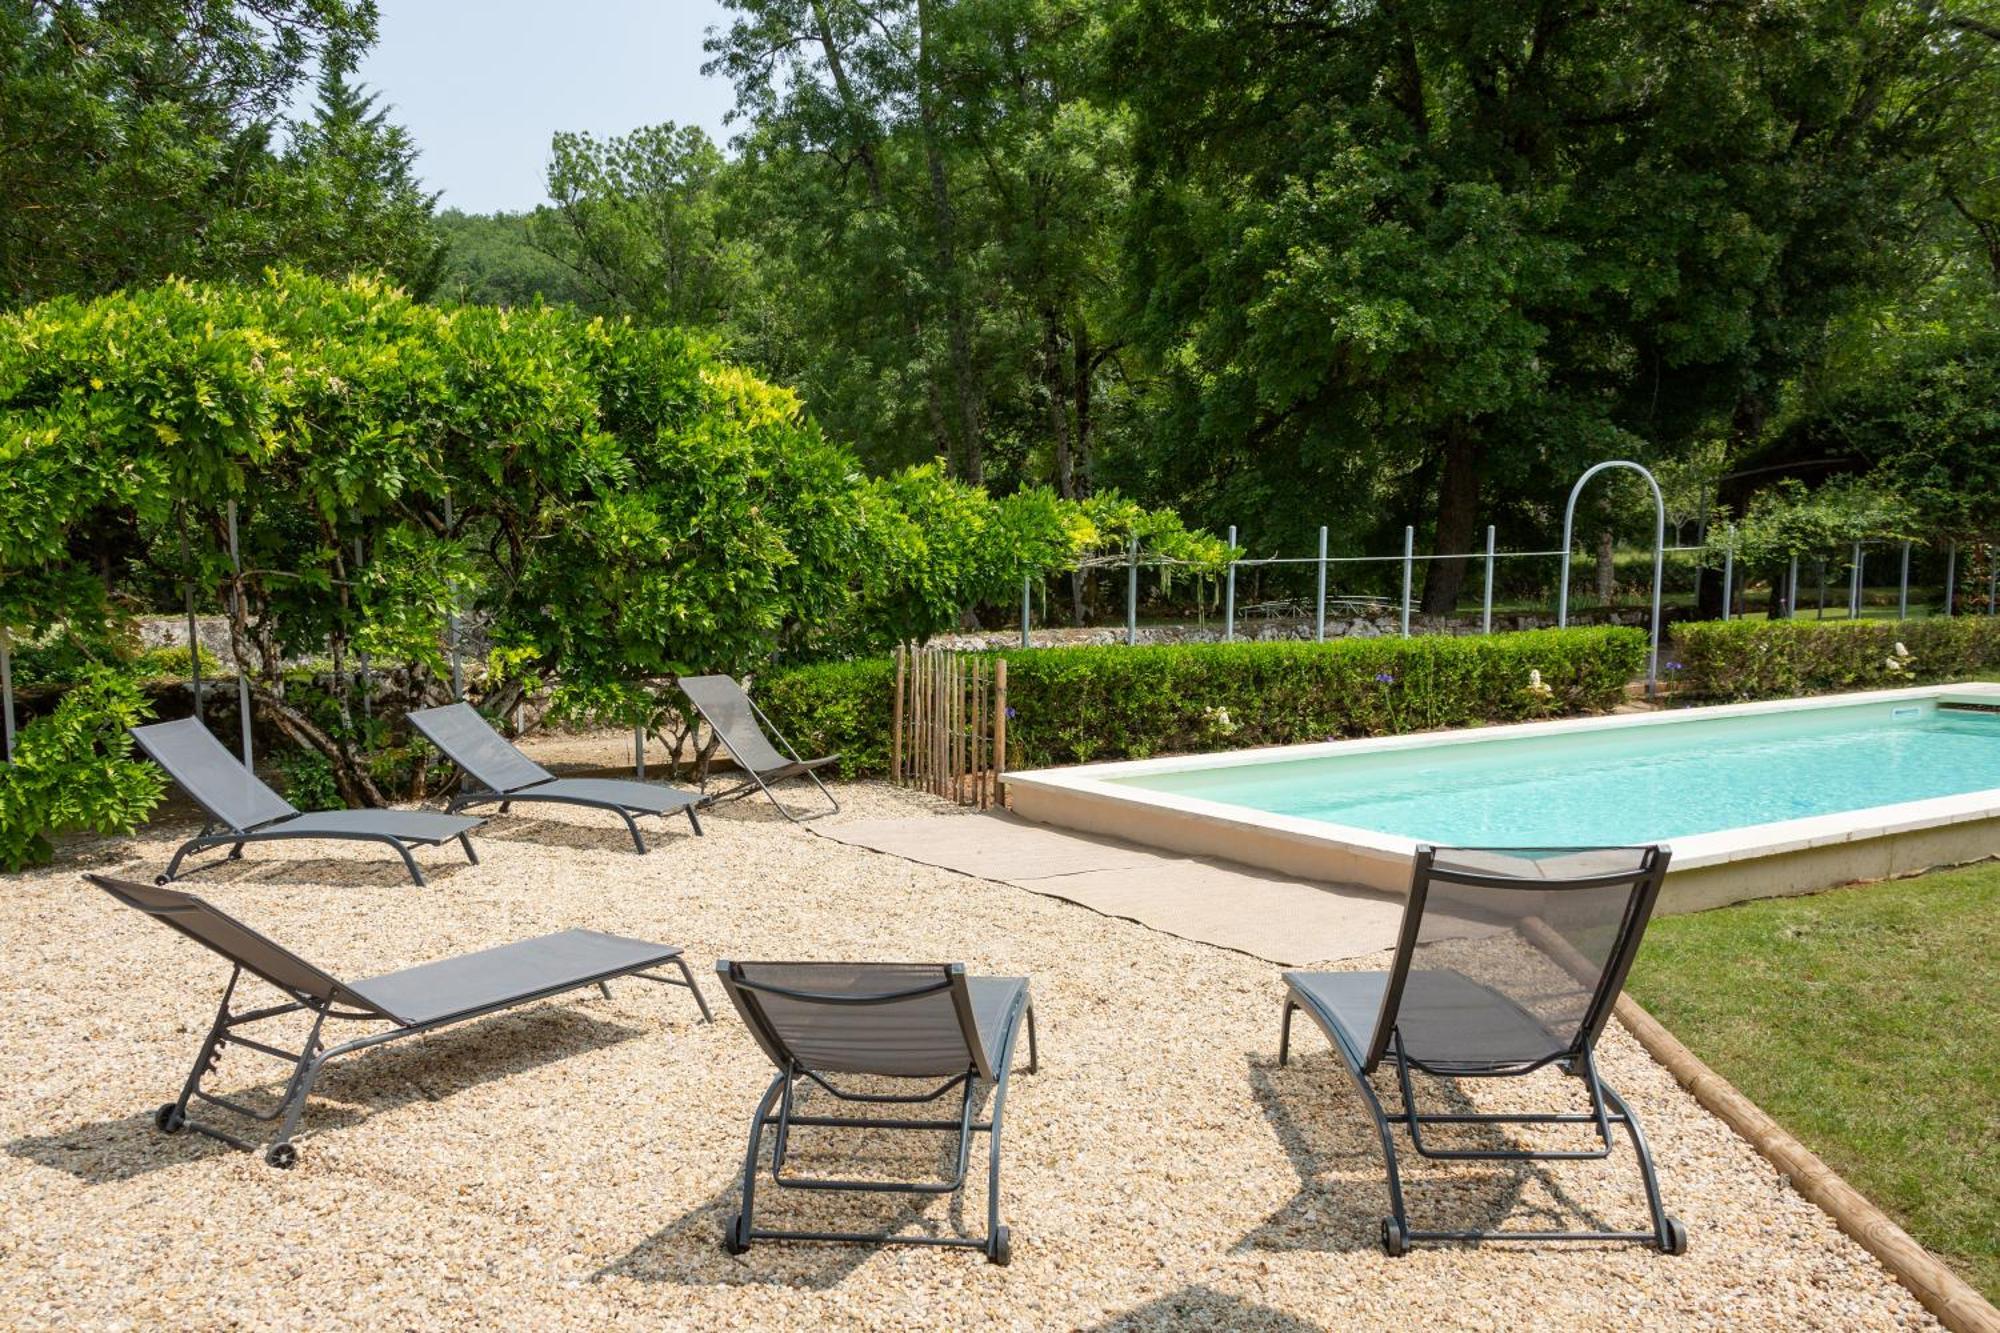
1088 796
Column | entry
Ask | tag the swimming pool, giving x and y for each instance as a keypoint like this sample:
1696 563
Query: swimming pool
1754 798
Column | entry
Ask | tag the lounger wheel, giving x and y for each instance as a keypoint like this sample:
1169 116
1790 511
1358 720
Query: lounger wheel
1395 1240
998 1249
1674 1239
169 1119
283 1156
161 881
736 1236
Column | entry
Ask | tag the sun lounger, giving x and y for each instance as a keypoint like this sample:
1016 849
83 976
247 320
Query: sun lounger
741 726
926 1021
240 804
469 741
1509 961
413 1001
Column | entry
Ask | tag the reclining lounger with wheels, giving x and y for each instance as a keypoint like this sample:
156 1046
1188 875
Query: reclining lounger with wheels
741 726
238 801
416 1000
469 741
925 1021
1510 959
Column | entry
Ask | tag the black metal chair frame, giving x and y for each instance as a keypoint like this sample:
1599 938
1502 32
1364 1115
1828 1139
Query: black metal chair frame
630 814
274 831
313 1056
1606 1107
800 767
781 1095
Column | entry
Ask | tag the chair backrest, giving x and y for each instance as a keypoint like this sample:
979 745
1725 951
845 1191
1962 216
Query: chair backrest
210 774
732 716
1511 957
892 1019
215 929
470 741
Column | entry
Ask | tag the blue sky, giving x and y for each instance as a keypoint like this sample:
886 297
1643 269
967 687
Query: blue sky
482 84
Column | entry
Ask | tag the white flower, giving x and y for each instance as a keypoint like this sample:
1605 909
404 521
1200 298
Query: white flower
1901 651
1892 664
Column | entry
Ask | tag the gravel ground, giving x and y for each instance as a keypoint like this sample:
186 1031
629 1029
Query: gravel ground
572 1164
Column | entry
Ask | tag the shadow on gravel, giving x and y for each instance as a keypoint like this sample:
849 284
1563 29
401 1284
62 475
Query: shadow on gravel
1203 1307
350 1090
1326 1130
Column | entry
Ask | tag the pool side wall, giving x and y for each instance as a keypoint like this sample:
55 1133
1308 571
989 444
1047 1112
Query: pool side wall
1708 870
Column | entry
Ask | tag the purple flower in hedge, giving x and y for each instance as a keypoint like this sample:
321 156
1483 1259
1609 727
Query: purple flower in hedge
1011 715
1385 678
1673 666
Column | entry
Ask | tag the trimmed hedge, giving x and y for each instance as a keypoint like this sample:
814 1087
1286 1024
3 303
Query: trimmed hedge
1077 705
1767 659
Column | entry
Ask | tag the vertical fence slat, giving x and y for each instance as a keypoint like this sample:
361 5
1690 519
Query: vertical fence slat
999 728
896 723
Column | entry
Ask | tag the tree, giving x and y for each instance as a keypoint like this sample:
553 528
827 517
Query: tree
136 138
1419 256
490 260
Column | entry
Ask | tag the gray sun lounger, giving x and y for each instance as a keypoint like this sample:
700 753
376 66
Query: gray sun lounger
1510 959
926 1021
469 741
414 1001
741 726
246 810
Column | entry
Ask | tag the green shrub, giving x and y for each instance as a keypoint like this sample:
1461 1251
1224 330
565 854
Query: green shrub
1760 659
1077 705
309 781
74 770
834 707
176 663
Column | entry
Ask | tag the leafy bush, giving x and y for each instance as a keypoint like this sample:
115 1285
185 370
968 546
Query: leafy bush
74 770
1758 659
1076 705
309 782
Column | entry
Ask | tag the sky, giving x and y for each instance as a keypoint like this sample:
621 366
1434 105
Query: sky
482 84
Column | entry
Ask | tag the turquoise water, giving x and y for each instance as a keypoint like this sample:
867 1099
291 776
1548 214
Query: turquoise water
1618 785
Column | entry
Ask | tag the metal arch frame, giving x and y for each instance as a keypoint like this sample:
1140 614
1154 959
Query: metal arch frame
1659 556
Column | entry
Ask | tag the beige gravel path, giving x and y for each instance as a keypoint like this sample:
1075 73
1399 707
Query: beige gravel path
571 1165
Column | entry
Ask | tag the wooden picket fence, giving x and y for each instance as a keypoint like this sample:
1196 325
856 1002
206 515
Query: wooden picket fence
949 724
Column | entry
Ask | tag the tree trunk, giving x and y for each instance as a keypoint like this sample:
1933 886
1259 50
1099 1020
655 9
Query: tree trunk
971 463
1607 569
1457 515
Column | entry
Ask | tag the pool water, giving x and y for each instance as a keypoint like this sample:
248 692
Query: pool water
1625 785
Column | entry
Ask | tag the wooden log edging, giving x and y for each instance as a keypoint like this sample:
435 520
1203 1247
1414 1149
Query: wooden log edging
1944 1293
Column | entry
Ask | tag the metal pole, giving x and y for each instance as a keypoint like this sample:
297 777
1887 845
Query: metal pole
1903 588
1409 546
1319 599
367 675
1854 584
1026 583
1486 599
1132 592
1229 593
1728 570
451 618
235 610
194 637
639 753
1792 589
1659 557
1992 582
1950 577
6 695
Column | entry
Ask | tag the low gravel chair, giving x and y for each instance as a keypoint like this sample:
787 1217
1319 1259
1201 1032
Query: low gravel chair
239 802
469 741
741 727
924 1021
413 1001
1510 959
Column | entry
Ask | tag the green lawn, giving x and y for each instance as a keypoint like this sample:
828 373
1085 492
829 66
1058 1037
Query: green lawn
1867 1021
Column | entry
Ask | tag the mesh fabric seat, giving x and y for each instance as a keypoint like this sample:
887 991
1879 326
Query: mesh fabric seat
469 740
926 1021
741 727
239 803
1509 960
413 1001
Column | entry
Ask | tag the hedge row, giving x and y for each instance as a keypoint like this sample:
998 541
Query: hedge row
1760 659
1077 705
